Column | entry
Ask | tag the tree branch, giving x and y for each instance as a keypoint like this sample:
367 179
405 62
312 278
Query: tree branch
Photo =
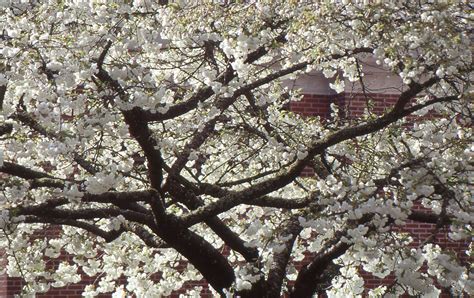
5 128
3 91
148 238
22 171
230 238
46 182
310 276
208 260
413 90
49 210
280 260
108 236
429 218
275 202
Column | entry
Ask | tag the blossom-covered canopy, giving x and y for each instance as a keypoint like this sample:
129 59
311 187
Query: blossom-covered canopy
158 136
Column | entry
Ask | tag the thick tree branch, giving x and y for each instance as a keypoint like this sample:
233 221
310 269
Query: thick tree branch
413 90
46 182
49 210
429 218
275 202
230 238
208 260
277 271
310 277
3 91
108 236
115 197
22 171
140 131
125 200
316 273
196 141
5 128
148 238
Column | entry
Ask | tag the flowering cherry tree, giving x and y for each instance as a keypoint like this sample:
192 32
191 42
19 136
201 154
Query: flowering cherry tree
158 137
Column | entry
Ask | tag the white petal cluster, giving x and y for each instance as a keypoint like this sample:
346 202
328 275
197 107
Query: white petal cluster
101 182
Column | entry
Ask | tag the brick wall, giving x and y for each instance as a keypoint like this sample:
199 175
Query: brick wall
313 105
3 278
351 105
